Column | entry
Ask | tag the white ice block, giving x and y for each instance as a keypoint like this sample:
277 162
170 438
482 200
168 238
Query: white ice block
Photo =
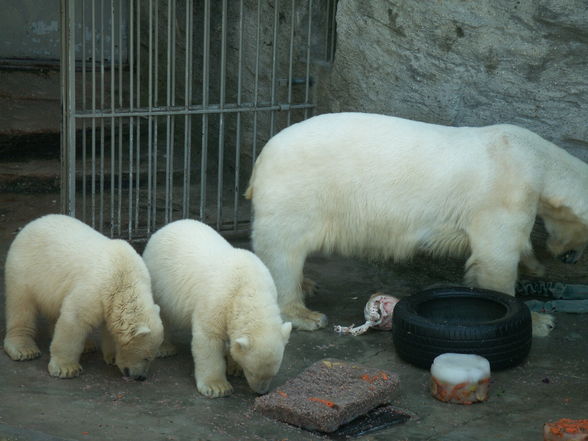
460 378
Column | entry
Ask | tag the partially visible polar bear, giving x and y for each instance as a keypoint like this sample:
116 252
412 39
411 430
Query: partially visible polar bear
226 296
60 268
384 187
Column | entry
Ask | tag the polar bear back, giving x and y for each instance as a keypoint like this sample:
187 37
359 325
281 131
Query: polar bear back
401 158
374 184
56 254
193 268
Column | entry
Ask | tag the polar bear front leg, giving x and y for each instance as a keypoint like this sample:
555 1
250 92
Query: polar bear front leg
67 345
167 348
209 364
285 264
108 347
531 266
496 253
233 368
89 345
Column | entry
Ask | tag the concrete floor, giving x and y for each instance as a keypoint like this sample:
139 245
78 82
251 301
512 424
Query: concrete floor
99 405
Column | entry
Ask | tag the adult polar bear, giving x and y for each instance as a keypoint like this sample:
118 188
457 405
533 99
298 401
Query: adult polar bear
385 187
79 279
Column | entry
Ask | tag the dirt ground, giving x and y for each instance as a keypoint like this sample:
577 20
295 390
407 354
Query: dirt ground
99 405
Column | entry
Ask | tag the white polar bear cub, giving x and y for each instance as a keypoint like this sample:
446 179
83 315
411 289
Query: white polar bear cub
383 187
60 268
226 296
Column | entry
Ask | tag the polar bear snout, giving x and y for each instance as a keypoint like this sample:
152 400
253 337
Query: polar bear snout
134 358
571 256
259 374
259 385
136 370
568 238
140 377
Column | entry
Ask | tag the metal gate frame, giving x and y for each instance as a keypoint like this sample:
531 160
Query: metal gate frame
106 118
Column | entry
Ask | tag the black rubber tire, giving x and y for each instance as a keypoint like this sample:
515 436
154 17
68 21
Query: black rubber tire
462 320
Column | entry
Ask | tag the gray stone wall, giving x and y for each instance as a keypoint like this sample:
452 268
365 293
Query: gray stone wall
460 62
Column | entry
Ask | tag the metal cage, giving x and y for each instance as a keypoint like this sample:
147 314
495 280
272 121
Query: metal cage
166 104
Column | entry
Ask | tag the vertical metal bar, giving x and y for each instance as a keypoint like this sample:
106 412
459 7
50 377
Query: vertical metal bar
256 86
84 106
138 119
187 102
238 129
155 121
307 83
150 119
290 62
169 61
68 102
333 30
170 102
221 135
326 30
112 119
173 121
121 123
274 66
131 119
93 64
205 84
102 128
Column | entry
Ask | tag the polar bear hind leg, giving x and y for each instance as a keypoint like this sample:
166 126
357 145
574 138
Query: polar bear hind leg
21 323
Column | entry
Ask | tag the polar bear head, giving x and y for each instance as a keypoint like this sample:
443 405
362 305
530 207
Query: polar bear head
136 349
260 354
568 236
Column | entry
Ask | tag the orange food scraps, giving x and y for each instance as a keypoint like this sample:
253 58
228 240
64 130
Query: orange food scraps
567 425
282 393
373 378
460 386
325 402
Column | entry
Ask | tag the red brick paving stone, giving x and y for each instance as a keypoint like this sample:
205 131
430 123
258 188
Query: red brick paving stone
328 394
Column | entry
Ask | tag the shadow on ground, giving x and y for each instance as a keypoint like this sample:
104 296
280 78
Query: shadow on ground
99 405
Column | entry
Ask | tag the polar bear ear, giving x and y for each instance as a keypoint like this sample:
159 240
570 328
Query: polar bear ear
286 330
242 342
142 330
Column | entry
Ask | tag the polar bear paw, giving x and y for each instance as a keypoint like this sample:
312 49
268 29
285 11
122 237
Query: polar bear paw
64 370
166 349
215 389
21 351
543 324
89 347
233 369
303 318
309 287
109 358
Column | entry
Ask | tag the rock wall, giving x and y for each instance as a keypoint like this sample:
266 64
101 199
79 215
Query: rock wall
459 62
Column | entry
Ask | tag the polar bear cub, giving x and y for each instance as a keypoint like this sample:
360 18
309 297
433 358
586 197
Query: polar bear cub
78 279
228 299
